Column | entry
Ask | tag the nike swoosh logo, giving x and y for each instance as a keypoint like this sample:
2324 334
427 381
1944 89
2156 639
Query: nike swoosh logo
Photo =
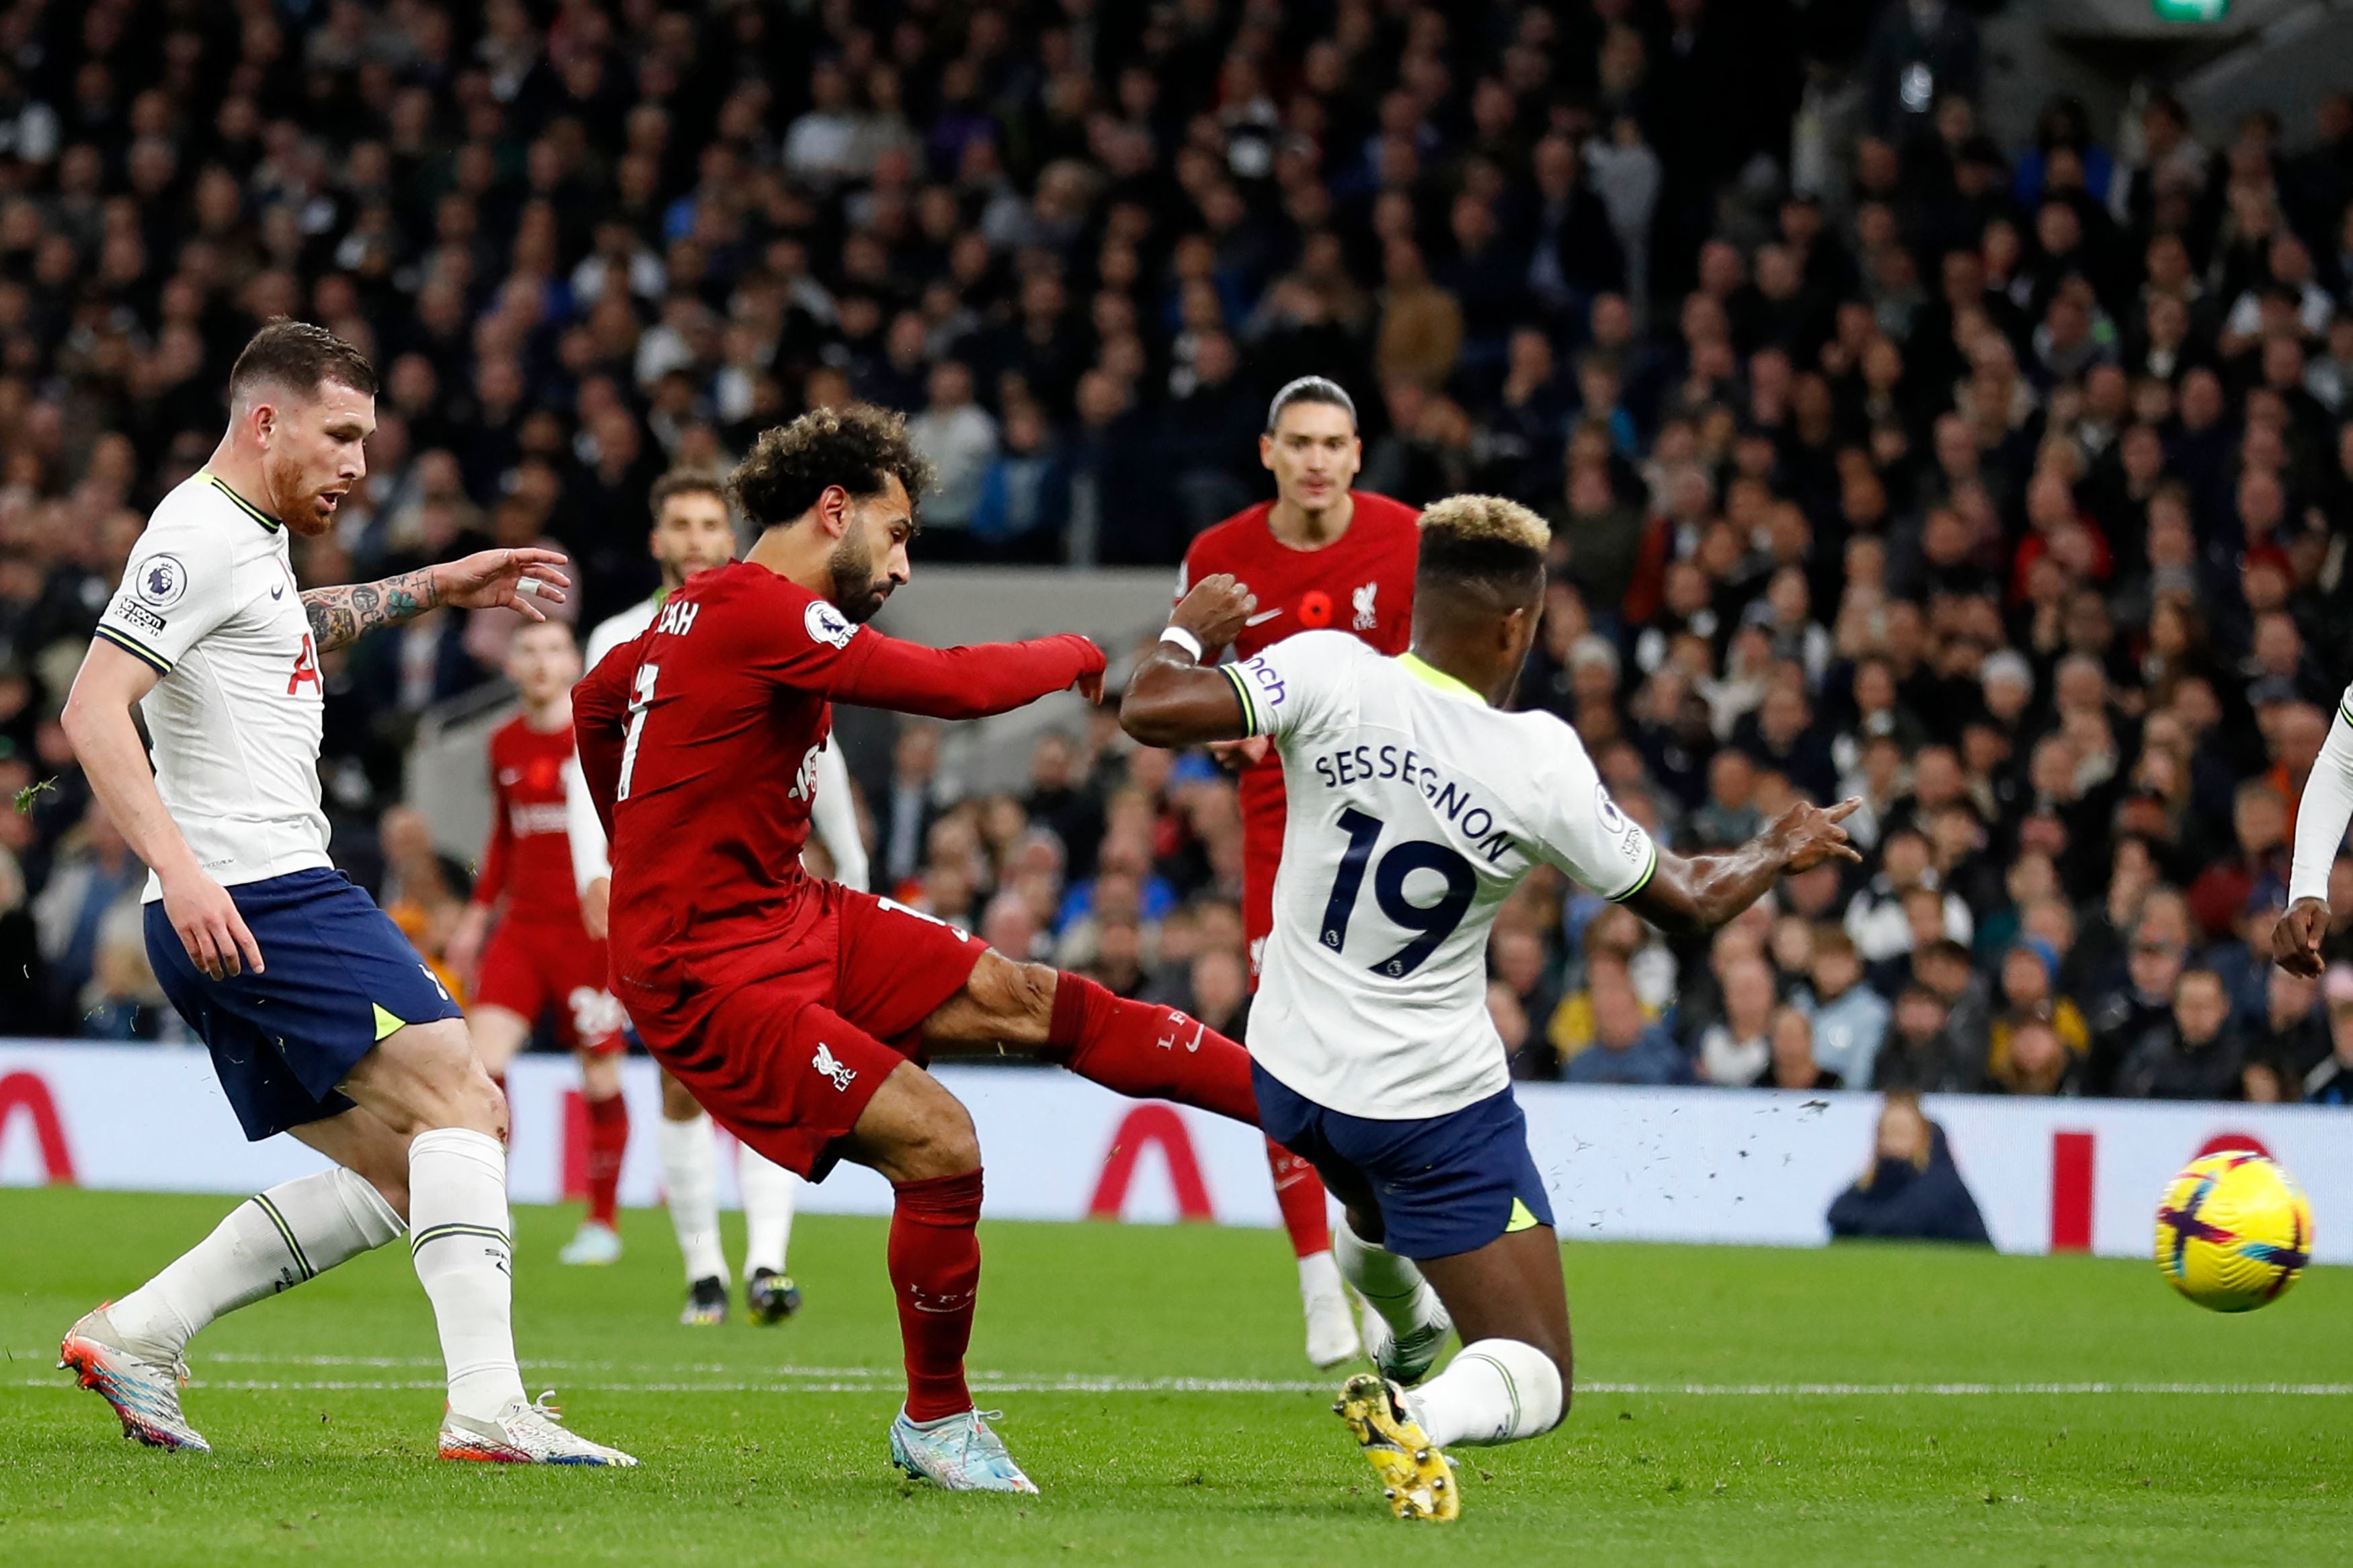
1261 617
279 591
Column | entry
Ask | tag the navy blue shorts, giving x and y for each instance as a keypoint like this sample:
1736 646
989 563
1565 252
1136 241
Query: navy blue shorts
337 976
1444 1184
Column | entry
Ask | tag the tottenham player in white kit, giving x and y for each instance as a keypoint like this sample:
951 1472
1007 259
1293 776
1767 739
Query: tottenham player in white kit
1416 806
2321 814
694 531
321 1019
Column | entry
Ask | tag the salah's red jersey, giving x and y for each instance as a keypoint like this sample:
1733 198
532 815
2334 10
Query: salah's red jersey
1361 582
529 855
699 742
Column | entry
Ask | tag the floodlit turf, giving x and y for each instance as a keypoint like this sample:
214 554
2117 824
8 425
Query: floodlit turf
1705 1433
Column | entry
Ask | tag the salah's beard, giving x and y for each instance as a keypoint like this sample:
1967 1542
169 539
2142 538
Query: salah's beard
853 581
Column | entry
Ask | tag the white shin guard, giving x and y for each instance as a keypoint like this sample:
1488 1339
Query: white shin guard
689 1166
271 1242
1494 1391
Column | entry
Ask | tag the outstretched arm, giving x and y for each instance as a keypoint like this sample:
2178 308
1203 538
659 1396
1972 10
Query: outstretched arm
966 682
2320 818
1174 699
1693 895
343 615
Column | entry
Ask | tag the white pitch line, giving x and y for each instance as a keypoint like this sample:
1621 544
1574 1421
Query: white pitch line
859 1382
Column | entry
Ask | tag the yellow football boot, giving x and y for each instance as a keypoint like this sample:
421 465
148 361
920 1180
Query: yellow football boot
1415 1477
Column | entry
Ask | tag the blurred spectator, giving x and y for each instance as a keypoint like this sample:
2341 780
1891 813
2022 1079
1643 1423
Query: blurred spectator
1221 991
1849 1018
1735 1052
94 875
2037 1062
2330 1081
2195 1057
1919 1053
1794 1066
1627 1048
911 803
1913 1191
959 439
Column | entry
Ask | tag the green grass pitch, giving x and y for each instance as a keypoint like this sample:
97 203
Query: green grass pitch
1737 1406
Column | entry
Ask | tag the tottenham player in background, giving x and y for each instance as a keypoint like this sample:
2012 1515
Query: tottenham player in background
321 1021
1320 554
694 531
1415 808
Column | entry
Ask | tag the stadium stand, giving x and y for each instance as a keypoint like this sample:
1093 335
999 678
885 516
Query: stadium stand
2003 486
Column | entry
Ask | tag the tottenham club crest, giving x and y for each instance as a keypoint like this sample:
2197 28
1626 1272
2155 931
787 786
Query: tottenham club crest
160 581
827 625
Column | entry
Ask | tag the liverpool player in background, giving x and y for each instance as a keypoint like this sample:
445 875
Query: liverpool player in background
539 961
796 1010
1319 556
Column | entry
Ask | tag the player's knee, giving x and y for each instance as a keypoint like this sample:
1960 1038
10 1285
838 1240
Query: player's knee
937 1140
944 1145
601 1075
678 1103
1017 1000
480 1105
392 1189
1032 1002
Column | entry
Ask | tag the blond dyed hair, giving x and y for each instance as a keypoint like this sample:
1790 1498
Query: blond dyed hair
1487 519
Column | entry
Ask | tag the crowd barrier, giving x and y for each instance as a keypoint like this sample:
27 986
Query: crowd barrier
1697 1165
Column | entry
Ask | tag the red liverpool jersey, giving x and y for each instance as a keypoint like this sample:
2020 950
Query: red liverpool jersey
699 742
529 856
1361 582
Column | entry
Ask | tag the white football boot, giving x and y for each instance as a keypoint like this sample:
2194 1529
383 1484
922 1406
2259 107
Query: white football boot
145 1394
527 1432
1331 1327
593 1244
961 1454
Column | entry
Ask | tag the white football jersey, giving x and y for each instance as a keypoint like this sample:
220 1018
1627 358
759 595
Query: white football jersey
1415 809
833 814
209 601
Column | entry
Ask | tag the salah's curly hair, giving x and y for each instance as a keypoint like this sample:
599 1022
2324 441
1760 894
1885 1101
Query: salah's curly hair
858 448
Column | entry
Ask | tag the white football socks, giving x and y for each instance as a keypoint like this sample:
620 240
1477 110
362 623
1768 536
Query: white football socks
768 1196
1494 1391
1389 1284
271 1242
690 1163
1319 1276
459 1241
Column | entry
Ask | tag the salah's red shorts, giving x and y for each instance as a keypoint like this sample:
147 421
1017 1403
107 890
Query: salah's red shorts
787 1062
537 968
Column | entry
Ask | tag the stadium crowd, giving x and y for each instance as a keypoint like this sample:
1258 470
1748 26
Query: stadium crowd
1999 485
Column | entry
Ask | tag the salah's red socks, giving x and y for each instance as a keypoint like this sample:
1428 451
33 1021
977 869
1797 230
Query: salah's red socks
608 1140
1298 1193
1147 1052
934 1260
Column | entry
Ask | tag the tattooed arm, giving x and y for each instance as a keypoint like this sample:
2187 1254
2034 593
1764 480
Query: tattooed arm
345 614
514 579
